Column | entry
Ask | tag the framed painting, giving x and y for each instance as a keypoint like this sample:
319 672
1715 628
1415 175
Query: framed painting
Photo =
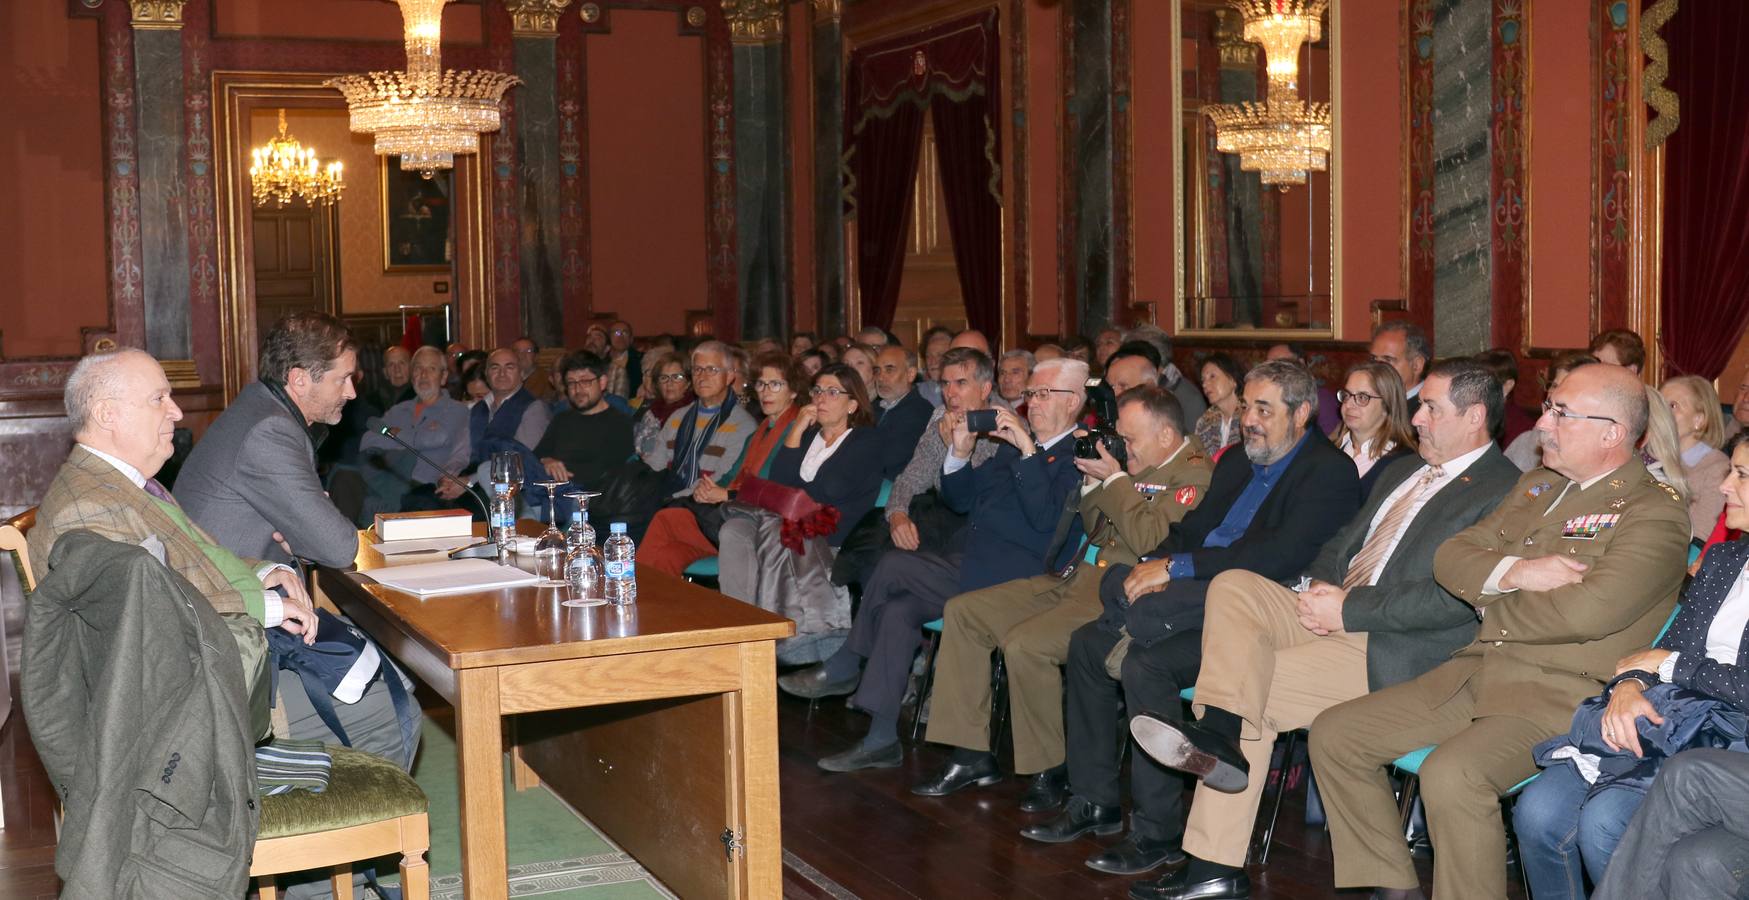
418 234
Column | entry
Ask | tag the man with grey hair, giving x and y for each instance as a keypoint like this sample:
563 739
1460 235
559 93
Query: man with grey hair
1012 373
1189 395
436 425
704 438
1268 510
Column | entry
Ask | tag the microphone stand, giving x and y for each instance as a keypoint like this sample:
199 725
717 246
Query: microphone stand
387 432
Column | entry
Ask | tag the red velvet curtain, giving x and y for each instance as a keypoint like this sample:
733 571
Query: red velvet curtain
1706 189
951 69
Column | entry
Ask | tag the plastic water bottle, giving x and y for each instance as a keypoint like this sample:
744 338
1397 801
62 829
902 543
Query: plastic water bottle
580 531
620 557
503 517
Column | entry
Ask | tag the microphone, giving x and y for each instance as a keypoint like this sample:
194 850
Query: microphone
389 433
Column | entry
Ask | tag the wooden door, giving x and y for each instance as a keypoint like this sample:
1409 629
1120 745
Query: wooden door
296 261
929 290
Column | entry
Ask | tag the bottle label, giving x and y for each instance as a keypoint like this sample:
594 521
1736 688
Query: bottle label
620 569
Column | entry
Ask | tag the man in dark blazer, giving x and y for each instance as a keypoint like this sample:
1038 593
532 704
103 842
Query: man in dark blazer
1268 509
900 411
251 481
1576 568
1372 616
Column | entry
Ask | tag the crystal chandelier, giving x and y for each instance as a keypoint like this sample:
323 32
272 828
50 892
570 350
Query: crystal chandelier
425 115
1283 137
285 169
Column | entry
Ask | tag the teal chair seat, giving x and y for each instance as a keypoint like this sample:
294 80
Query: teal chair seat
704 568
934 626
886 491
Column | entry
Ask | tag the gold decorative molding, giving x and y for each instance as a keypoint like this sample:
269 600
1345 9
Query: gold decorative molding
754 21
829 9
695 16
535 18
181 373
590 13
1236 52
1661 99
157 14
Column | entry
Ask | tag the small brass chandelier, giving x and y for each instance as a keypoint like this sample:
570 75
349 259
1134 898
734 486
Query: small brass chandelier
285 170
1283 137
425 115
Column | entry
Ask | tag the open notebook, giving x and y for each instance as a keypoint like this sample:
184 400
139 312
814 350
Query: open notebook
452 576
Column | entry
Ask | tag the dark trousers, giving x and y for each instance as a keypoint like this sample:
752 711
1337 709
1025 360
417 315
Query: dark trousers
1690 838
1098 722
907 589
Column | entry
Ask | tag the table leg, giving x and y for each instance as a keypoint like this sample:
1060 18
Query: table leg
480 765
758 754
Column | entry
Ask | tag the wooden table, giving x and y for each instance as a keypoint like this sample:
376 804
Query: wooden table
687 786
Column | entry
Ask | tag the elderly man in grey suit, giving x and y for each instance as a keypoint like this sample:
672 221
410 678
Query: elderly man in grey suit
1372 616
251 482
253 475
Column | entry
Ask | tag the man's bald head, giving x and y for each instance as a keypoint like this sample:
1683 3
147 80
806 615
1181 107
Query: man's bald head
1598 415
972 338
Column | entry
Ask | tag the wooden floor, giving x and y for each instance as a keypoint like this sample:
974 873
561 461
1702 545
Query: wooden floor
864 833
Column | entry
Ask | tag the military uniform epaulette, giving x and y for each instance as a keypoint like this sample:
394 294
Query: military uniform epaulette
1665 488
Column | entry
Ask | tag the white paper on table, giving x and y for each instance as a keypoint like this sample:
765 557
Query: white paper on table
452 576
391 548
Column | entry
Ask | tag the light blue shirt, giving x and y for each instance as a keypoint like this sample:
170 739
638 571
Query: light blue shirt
1243 510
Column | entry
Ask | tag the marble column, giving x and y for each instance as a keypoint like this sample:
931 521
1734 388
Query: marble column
828 187
761 164
1090 175
163 214
534 35
1462 176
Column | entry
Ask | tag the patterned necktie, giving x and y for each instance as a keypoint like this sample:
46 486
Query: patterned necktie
1372 554
157 490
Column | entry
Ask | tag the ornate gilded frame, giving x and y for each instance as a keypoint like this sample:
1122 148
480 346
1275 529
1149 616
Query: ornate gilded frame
1180 322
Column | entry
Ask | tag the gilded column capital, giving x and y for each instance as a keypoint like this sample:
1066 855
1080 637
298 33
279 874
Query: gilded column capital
157 13
829 9
754 21
535 18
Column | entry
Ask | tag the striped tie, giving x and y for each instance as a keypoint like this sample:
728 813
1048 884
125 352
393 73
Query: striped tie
1372 554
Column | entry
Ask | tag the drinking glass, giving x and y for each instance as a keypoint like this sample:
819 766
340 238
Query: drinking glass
549 551
507 470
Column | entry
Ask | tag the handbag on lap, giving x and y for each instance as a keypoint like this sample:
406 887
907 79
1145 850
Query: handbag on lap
803 516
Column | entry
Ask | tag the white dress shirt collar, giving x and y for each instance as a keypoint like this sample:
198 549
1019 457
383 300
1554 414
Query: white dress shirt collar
132 473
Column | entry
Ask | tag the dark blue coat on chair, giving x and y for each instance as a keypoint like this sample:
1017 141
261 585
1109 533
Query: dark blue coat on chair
1014 506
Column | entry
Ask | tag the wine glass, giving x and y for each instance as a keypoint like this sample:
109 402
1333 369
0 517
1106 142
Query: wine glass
582 559
549 551
507 471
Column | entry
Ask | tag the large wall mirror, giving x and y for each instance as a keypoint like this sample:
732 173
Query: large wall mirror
1254 260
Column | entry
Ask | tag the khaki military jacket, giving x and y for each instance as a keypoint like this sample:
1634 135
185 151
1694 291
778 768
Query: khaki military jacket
1538 653
1134 513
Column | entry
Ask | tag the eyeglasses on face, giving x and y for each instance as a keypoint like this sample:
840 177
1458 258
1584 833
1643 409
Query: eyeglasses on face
769 387
672 378
700 371
585 381
1360 398
1035 395
833 392
1561 412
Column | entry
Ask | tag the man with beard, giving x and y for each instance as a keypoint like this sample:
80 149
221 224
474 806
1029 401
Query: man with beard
436 425
900 411
1267 511
589 440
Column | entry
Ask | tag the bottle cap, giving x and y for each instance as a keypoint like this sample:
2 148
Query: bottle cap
616 528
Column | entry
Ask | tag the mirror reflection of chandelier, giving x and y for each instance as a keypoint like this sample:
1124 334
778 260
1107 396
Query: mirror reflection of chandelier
1283 137
425 115
285 170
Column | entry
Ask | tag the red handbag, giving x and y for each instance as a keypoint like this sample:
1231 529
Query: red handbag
803 516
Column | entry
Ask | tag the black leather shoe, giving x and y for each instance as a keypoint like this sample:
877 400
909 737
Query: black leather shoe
1047 791
813 683
1079 818
1136 854
886 757
1175 887
1188 747
955 776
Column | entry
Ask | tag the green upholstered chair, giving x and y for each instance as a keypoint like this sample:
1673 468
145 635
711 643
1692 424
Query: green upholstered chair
370 809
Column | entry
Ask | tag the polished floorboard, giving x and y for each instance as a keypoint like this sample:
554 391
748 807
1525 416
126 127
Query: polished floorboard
861 835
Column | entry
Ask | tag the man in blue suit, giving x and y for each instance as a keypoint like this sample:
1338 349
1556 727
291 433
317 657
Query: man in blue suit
1015 502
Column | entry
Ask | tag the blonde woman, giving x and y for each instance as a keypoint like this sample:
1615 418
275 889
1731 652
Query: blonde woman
1700 428
1375 420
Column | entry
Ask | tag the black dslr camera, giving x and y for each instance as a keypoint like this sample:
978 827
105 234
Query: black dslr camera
1102 401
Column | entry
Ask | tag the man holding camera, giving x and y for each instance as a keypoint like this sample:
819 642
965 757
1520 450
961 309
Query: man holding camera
1128 502
1014 501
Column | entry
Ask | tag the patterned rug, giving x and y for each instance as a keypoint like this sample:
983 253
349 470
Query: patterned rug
553 852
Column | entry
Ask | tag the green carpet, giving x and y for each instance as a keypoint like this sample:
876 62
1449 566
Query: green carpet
553 852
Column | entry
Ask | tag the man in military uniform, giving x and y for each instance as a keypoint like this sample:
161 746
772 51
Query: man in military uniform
1369 615
1579 566
1126 514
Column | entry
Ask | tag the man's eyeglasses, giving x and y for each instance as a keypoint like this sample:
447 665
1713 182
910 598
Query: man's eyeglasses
1360 398
1561 412
769 387
581 382
1034 395
699 371
833 392
672 378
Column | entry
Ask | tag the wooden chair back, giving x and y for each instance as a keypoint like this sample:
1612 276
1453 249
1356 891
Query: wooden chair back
12 537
